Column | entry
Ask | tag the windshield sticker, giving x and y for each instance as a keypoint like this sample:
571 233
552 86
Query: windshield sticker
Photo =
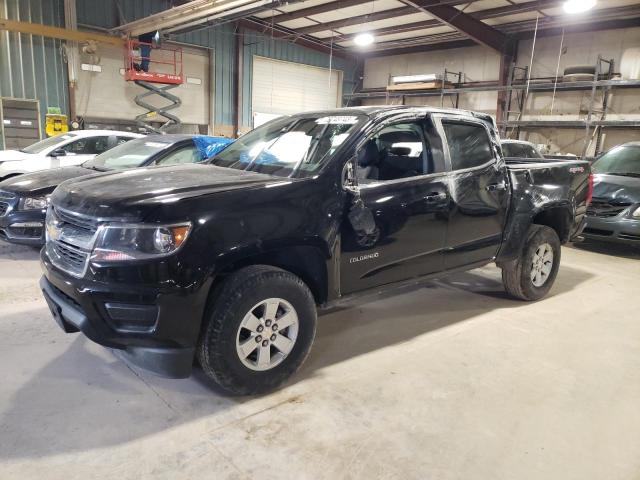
156 144
338 120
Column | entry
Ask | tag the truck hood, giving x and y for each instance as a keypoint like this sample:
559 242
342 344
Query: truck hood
616 187
42 182
132 193
14 156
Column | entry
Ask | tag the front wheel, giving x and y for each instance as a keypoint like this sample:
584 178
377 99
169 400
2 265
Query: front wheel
258 330
531 276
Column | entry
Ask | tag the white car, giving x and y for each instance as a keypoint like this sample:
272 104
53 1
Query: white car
64 150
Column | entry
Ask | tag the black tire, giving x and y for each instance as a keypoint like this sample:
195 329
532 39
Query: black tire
231 302
516 275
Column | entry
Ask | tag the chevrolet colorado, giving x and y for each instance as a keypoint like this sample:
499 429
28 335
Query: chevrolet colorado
228 262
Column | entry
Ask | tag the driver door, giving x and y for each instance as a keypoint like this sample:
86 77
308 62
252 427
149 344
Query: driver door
402 180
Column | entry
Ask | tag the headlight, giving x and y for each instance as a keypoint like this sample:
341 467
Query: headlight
636 213
118 243
34 203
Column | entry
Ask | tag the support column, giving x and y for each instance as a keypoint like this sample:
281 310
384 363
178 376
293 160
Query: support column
507 57
71 49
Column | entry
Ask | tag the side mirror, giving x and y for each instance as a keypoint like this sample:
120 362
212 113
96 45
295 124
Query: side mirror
58 152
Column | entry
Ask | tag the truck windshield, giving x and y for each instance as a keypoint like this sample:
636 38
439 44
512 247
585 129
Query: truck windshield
42 145
127 155
623 160
289 146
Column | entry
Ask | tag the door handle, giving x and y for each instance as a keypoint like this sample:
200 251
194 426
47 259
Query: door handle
494 187
432 197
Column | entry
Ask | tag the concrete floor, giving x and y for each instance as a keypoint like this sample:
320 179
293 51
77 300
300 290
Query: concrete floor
448 381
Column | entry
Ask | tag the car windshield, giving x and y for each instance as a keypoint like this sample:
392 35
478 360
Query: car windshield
42 145
289 146
623 160
127 155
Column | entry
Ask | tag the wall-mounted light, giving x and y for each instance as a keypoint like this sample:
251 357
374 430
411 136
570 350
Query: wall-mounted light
363 39
578 6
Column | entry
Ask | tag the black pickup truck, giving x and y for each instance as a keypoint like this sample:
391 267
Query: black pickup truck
228 262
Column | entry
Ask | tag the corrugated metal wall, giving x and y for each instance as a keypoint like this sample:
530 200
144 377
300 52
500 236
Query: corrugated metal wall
222 40
31 66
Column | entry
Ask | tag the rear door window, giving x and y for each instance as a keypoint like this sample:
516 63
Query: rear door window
469 144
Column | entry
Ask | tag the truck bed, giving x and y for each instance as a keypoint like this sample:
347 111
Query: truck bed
557 187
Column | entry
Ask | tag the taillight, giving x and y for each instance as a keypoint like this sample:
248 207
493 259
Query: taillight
590 189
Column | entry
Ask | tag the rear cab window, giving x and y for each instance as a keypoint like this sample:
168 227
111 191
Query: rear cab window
469 144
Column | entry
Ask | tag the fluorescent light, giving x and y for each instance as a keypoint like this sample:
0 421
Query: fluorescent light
578 6
363 39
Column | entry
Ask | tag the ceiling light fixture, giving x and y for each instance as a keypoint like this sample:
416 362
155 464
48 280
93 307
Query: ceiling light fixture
578 6
363 39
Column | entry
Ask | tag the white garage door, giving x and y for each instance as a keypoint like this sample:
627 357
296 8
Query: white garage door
281 88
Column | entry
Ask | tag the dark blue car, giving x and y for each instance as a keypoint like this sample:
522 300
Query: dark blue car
24 199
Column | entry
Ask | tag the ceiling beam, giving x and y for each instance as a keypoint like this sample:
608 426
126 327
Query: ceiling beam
422 48
409 10
318 9
481 15
470 26
370 17
282 33
609 19
337 5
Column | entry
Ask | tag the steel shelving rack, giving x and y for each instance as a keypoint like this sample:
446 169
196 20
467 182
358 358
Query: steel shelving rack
519 86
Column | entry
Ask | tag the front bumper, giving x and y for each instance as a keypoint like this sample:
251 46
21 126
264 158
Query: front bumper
613 229
151 327
23 227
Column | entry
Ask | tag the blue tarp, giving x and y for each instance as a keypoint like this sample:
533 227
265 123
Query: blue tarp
210 146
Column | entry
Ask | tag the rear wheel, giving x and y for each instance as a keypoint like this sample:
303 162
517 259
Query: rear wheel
531 276
258 330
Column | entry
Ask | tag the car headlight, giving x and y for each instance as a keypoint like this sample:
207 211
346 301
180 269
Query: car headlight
118 243
34 203
636 213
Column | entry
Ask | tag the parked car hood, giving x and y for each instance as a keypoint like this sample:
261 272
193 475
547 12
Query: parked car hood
132 193
44 181
14 155
616 187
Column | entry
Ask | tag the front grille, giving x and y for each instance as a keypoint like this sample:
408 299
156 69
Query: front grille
597 231
628 236
7 195
77 221
71 255
71 246
3 208
606 209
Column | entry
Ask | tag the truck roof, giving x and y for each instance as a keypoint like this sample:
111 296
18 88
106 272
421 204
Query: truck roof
383 110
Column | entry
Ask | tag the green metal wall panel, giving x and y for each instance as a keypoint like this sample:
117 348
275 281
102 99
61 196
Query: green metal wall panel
31 66
222 40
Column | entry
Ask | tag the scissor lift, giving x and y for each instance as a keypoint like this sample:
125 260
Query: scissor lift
165 73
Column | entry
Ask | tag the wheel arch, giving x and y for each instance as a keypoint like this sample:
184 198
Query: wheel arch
557 217
307 261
